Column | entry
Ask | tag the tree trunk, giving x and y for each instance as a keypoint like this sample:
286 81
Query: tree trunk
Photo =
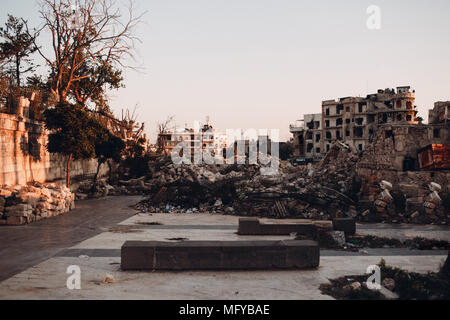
98 170
96 176
68 171
18 71
109 171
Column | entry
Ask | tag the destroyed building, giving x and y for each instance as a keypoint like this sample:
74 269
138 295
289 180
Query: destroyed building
440 115
353 121
308 137
198 140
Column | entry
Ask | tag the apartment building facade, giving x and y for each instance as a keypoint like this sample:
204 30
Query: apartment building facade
353 121
308 137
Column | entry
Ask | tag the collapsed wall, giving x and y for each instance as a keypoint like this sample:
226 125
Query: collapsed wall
25 204
393 157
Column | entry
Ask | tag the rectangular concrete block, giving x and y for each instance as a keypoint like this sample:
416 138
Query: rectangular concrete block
253 227
219 255
347 225
249 226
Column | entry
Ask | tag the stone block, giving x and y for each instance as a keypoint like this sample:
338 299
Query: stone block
249 226
220 255
347 225
252 226
16 221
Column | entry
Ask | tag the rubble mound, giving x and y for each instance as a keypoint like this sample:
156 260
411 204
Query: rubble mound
26 204
318 192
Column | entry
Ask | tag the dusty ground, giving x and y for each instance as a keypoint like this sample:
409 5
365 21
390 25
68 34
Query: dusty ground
91 237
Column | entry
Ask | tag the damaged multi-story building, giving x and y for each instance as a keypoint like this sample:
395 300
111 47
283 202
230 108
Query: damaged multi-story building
308 137
353 121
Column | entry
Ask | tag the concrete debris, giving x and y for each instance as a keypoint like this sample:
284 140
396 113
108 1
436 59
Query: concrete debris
355 286
318 192
339 238
26 204
388 294
337 187
389 284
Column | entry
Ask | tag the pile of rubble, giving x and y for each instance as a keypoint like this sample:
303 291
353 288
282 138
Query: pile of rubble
25 204
321 192
336 187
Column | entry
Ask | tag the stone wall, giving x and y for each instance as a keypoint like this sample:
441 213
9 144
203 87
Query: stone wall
394 144
24 157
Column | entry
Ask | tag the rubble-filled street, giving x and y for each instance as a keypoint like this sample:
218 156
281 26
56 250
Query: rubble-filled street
335 187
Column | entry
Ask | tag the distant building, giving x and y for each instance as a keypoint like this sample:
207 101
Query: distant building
352 120
198 140
308 137
440 114
355 120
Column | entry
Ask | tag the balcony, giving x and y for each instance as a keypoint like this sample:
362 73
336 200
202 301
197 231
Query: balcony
298 126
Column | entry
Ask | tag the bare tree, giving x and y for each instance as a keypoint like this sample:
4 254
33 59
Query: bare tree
165 125
87 35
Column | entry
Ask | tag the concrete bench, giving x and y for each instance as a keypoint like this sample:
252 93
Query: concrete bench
219 255
347 225
253 227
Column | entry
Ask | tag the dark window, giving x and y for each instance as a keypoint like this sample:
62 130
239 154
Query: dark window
399 117
328 147
347 133
327 112
358 132
339 122
317 150
309 136
327 123
389 134
310 148
328 135
347 121
338 135
399 104
347 109
361 148
409 105
436 133
318 138
360 107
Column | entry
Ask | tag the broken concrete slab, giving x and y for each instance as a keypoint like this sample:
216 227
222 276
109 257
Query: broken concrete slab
253 227
219 255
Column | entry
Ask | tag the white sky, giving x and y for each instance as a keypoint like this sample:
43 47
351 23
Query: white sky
264 63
